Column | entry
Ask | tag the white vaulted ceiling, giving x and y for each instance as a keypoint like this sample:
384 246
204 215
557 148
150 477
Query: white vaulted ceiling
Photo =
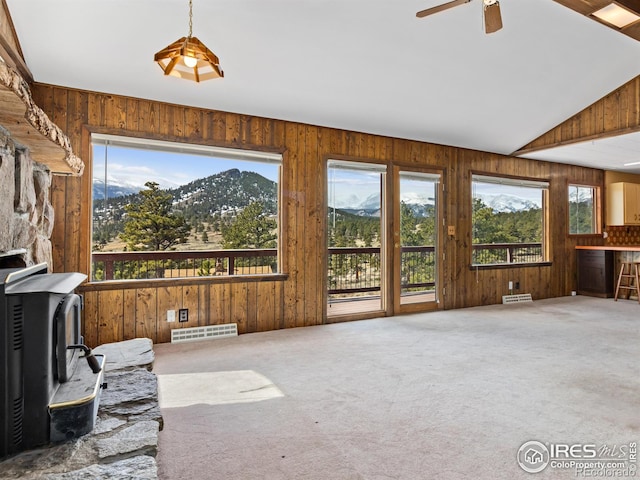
363 65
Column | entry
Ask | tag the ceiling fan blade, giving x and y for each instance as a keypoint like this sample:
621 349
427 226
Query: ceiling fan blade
492 16
440 8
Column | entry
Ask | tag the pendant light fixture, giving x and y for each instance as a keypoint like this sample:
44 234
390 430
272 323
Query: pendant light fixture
189 58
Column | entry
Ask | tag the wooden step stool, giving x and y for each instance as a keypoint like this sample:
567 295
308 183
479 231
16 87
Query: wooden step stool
628 273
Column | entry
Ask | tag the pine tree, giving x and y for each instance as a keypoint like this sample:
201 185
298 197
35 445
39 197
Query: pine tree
151 224
251 229
409 226
485 227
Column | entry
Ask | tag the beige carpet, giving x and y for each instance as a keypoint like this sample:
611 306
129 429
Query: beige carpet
443 395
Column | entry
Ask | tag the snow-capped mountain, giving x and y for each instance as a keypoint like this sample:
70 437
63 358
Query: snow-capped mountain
351 201
415 198
507 203
115 189
421 204
372 202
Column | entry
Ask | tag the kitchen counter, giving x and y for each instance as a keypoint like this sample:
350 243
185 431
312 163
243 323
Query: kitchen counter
598 267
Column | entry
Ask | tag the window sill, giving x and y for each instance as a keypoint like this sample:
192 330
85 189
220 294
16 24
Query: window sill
490 266
163 282
585 235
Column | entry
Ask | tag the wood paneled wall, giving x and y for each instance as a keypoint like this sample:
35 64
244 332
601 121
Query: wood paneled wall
616 114
127 310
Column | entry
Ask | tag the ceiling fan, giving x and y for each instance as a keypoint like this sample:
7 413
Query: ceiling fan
491 13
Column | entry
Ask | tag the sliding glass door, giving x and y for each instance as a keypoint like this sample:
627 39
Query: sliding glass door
364 272
416 256
355 221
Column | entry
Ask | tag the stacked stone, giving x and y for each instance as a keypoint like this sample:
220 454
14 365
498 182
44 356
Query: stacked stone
25 212
123 443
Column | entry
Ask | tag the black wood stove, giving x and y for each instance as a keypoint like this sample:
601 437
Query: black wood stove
48 392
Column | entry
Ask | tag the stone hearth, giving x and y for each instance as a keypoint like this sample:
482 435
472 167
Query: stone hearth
123 443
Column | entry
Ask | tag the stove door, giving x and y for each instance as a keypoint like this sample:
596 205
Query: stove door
67 332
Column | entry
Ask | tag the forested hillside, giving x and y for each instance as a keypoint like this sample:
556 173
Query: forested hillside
209 204
205 204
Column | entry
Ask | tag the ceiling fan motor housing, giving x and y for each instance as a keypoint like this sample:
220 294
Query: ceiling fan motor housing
490 9
492 16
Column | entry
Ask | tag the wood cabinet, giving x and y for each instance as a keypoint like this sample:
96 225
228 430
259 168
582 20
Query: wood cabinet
595 273
623 204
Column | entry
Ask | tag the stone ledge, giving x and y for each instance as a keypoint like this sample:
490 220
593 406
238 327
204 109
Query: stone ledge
32 128
123 443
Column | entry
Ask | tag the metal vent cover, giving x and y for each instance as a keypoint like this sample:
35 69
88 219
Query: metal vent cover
523 297
18 323
17 415
193 334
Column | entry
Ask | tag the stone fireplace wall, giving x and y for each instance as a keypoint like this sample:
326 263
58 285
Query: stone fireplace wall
26 214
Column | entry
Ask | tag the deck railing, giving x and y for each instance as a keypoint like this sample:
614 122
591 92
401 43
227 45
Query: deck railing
176 264
357 270
417 268
497 253
351 270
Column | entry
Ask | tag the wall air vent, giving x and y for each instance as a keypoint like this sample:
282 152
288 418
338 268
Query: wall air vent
208 332
523 297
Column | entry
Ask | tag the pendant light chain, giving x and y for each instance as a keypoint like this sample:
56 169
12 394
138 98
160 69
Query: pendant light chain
190 18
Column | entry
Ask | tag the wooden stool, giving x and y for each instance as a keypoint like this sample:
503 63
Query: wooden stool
628 272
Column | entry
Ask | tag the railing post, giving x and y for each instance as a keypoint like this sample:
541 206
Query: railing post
108 270
232 264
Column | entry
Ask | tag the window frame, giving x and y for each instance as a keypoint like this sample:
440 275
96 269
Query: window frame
597 210
510 180
249 153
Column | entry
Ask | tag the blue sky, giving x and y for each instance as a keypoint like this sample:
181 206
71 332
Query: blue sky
134 166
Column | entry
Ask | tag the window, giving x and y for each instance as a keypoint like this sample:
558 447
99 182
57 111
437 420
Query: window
583 208
508 220
170 210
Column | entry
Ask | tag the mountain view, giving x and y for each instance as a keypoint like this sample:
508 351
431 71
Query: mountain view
507 203
419 203
205 204
237 209
113 189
